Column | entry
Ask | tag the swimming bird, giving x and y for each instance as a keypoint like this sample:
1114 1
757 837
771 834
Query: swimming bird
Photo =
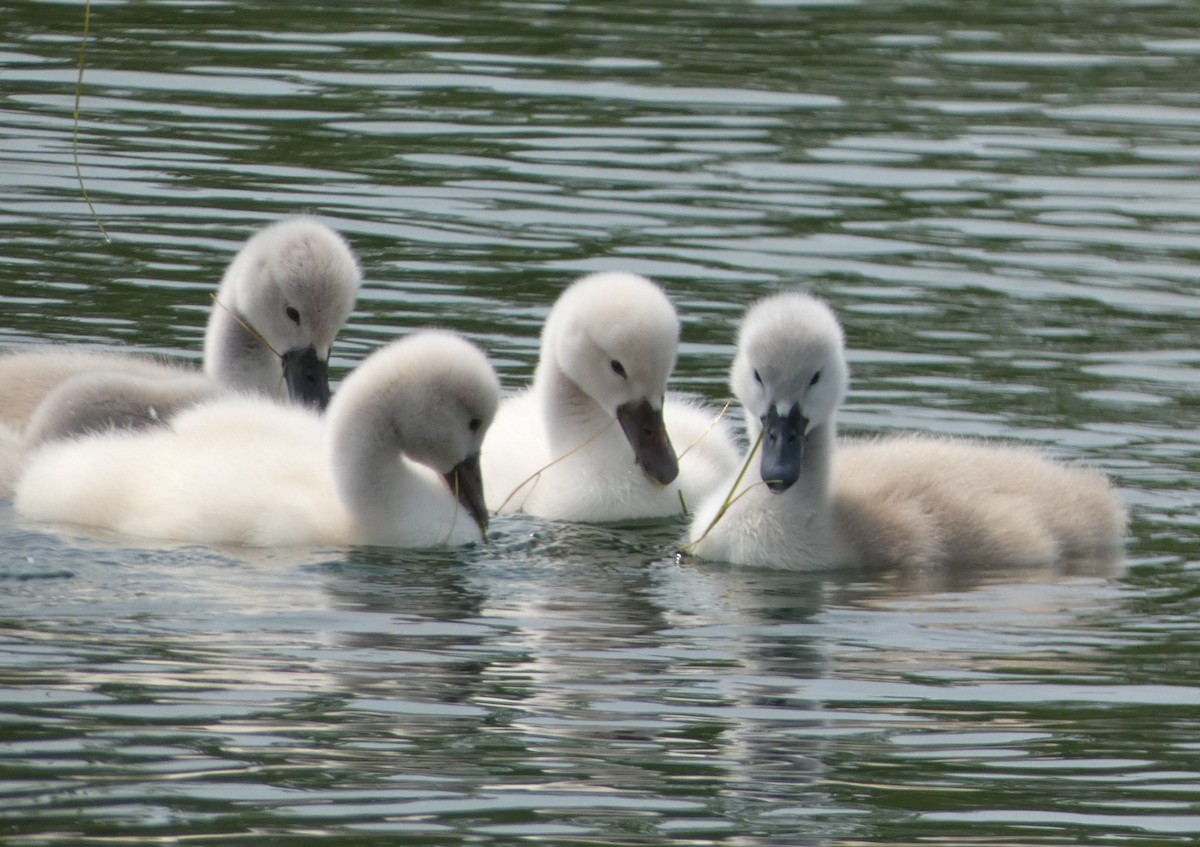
594 437
280 305
898 500
281 302
395 461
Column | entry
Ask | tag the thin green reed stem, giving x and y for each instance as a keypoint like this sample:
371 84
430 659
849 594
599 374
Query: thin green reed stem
87 20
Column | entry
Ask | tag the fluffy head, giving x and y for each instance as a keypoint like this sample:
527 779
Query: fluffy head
295 283
791 353
615 335
433 393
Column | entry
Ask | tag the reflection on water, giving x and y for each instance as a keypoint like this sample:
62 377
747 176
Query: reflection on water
1001 200
558 693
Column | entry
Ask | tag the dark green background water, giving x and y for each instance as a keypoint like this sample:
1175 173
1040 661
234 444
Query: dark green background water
1001 199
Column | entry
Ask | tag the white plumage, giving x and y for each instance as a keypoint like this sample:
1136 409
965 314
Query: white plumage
903 500
294 283
383 467
281 304
594 438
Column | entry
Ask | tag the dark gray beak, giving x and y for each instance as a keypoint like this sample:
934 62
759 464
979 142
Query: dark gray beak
782 447
647 435
466 481
307 377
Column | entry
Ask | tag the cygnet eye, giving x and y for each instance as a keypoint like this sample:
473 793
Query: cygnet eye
293 314
475 424
816 378
618 369
757 378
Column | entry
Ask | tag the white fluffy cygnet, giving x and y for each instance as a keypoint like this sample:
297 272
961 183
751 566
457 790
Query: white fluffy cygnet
281 304
595 436
394 462
282 301
809 502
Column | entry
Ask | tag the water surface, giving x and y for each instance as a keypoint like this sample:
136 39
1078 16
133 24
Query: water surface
1001 200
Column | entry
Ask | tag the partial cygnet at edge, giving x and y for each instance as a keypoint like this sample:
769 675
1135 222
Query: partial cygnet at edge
282 301
294 283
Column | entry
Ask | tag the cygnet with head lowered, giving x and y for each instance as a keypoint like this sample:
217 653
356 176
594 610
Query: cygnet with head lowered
394 462
281 303
595 436
808 501
283 299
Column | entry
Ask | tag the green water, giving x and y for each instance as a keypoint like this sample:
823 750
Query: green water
1001 200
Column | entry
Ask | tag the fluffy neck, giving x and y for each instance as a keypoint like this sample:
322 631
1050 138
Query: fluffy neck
571 416
391 499
236 358
794 528
812 489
